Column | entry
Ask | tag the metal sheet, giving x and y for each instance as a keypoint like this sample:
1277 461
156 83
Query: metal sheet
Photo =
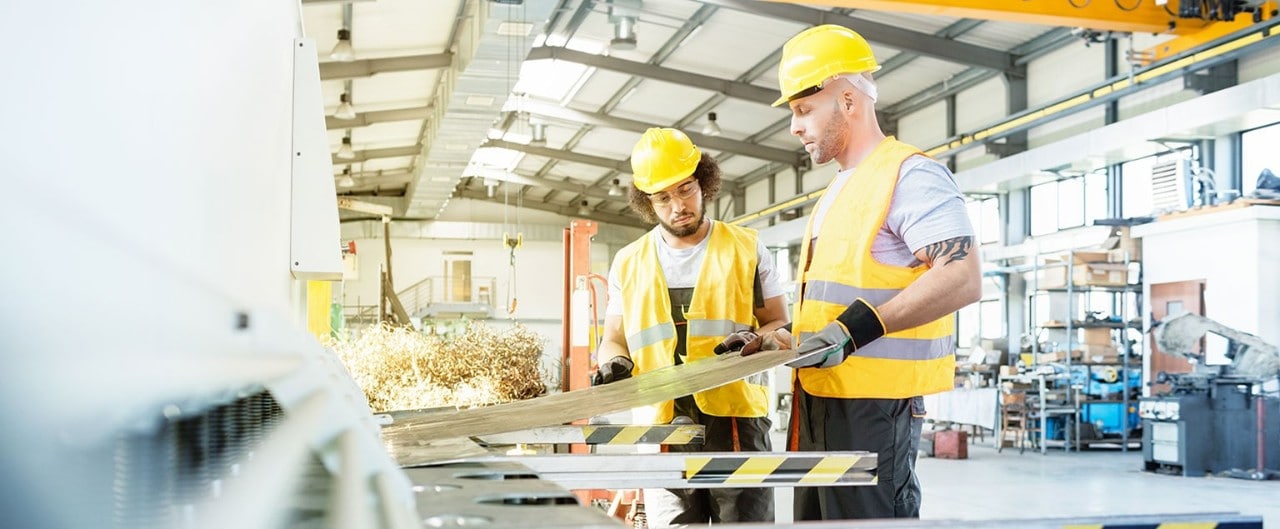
410 429
603 434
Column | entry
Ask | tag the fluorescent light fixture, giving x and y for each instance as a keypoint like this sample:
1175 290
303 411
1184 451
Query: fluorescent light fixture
441 179
345 152
346 180
624 34
711 128
343 51
480 101
345 110
538 133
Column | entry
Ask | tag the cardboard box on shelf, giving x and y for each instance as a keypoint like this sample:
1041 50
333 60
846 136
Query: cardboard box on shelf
1090 256
1096 354
1120 240
1096 336
1100 274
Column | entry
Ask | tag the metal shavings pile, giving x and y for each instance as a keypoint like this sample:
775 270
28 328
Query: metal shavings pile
402 369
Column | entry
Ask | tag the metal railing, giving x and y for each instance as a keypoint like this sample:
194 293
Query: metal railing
431 291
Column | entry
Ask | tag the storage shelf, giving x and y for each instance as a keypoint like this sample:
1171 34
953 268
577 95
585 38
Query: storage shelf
1136 324
1097 288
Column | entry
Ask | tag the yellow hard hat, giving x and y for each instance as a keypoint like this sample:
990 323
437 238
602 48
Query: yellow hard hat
817 54
661 158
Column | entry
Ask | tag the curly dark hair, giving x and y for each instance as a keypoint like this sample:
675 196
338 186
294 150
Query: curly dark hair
708 175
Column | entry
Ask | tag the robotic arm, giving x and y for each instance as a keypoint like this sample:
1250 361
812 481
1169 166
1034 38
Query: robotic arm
1249 354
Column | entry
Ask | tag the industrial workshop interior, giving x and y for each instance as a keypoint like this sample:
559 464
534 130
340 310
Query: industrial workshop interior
409 263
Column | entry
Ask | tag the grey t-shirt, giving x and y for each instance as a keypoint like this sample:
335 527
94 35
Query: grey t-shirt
680 266
927 207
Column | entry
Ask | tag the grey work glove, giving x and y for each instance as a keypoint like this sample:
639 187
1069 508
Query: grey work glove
858 326
613 370
746 341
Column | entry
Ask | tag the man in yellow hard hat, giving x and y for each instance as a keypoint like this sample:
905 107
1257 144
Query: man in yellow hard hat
674 295
887 259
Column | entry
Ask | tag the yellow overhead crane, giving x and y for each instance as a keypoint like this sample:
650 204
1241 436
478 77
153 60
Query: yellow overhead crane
1132 16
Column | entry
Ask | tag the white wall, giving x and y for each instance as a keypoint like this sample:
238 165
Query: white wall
1234 253
148 151
926 127
157 129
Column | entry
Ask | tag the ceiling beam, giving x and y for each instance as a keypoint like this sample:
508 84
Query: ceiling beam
1139 17
952 31
388 152
925 44
571 186
716 143
1040 45
567 156
332 70
365 119
734 89
568 211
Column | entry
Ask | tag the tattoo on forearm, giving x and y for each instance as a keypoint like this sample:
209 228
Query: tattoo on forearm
951 250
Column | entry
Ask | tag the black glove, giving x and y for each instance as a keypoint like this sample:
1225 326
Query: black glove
613 370
747 341
859 325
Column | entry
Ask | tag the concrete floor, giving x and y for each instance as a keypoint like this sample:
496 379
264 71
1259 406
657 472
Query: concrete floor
1008 485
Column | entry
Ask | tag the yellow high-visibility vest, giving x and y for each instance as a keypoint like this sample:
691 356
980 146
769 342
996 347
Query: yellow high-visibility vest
722 303
907 363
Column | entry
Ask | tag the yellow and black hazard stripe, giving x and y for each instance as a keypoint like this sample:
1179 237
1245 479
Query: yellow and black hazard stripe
1240 524
796 469
666 434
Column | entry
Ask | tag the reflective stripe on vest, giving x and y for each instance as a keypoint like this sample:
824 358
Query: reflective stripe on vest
907 363
653 335
722 303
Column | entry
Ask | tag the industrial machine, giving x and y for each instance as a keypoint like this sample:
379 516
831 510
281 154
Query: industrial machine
1224 416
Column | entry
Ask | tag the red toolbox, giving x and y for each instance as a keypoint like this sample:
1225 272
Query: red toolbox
951 444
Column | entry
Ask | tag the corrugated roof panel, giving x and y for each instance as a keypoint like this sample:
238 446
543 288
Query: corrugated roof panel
730 43
910 21
659 102
1002 35
608 143
913 77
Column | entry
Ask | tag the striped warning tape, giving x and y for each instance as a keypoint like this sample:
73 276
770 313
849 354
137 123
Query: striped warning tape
666 434
813 470
1241 524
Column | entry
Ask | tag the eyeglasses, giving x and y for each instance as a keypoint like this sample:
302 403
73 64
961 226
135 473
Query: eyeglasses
686 190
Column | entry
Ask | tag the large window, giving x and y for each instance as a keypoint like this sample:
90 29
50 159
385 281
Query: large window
984 214
1257 152
984 319
1068 203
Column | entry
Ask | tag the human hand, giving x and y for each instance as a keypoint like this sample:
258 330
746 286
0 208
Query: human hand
833 338
859 325
746 341
613 370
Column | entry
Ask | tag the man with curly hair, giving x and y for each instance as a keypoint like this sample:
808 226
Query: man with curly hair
674 295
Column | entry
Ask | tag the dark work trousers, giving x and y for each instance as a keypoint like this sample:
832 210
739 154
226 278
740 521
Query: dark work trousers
882 426
668 507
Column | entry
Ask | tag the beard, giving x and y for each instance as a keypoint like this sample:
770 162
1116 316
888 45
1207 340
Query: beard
684 231
833 140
